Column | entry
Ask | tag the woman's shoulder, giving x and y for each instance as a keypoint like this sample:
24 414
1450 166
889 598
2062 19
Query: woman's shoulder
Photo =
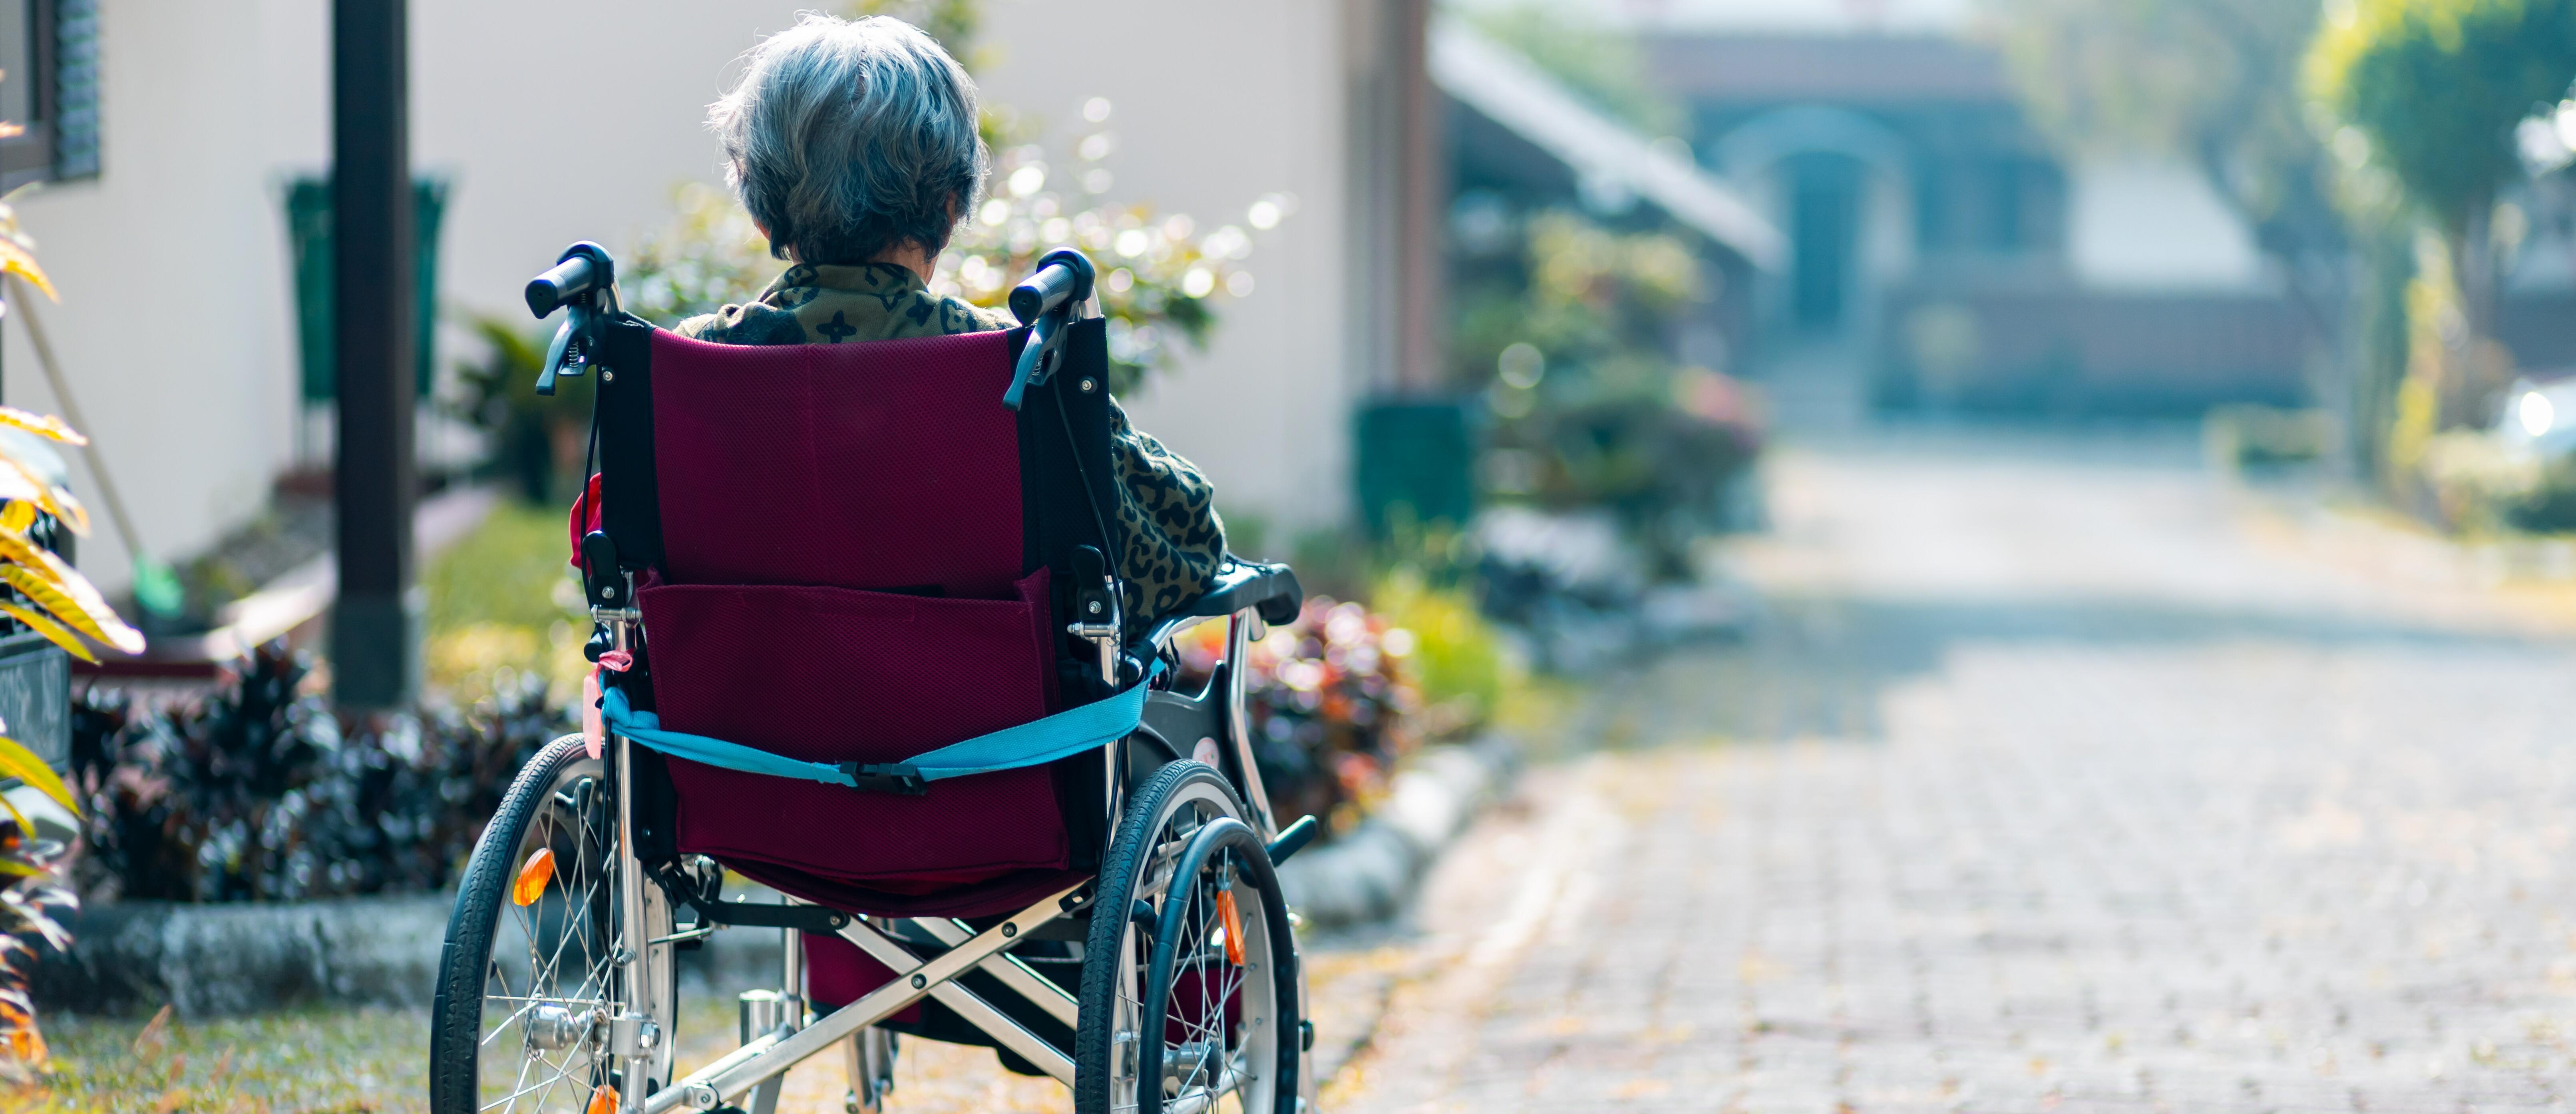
749 323
833 304
957 315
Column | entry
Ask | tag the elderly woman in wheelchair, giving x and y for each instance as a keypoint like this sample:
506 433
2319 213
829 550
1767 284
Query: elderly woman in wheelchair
884 587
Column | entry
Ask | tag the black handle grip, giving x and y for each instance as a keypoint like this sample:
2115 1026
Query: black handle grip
1042 291
1064 275
569 279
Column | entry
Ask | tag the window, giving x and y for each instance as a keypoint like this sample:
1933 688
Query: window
48 88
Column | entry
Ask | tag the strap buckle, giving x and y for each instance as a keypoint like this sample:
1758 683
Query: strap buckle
886 777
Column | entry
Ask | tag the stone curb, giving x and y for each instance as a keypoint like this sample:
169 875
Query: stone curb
1368 875
211 960
207 960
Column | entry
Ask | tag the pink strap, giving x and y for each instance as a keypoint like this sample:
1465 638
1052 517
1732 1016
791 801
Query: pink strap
593 731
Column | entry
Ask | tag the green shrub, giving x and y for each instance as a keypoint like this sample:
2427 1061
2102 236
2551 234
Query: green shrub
1454 654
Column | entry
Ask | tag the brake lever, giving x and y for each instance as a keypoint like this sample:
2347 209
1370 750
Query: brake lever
1037 356
561 357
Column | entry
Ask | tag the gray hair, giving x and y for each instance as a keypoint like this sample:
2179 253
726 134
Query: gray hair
848 139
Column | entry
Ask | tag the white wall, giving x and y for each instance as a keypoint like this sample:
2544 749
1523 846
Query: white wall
2141 225
575 119
174 327
1215 105
566 120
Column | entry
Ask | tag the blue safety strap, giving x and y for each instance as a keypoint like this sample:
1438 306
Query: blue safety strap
1034 743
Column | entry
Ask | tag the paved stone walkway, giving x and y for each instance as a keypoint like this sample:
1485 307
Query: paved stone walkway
2046 784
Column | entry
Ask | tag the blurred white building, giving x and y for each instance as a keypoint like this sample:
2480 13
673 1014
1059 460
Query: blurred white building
576 119
1938 247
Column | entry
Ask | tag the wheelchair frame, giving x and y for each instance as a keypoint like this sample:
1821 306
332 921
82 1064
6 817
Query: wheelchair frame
778 1034
790 1041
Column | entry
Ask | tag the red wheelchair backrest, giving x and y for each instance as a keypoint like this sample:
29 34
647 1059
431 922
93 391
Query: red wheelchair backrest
845 577
887 466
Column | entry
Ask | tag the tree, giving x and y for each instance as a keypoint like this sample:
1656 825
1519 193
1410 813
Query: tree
2212 82
2431 91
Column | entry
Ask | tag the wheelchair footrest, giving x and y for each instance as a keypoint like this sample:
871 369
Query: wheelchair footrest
817 919
886 777
1293 839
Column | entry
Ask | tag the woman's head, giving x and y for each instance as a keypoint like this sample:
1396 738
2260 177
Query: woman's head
852 139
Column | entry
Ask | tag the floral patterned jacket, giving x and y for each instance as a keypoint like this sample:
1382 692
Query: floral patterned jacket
1172 541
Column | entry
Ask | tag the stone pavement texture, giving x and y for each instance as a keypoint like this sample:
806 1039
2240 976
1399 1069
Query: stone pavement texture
2046 783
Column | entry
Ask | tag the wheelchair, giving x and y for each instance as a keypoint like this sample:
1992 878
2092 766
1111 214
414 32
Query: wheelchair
861 640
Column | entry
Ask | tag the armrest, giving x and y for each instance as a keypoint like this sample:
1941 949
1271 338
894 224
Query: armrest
1272 589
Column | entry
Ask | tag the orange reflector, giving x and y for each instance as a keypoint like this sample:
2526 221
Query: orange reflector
1225 911
603 1100
531 885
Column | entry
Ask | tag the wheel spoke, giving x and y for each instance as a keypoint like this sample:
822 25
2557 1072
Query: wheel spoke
554 953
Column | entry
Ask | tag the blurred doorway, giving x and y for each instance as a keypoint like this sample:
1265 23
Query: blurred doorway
1824 218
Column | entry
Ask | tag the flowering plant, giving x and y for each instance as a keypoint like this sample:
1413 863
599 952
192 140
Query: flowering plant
1160 273
1330 699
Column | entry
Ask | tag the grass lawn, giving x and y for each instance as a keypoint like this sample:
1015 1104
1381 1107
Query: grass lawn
344 1061
376 1061
502 598
304 1062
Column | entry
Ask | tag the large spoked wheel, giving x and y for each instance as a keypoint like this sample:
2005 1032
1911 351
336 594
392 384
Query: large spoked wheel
1185 1006
531 978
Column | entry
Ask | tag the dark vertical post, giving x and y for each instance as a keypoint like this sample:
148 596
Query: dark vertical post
1422 205
375 625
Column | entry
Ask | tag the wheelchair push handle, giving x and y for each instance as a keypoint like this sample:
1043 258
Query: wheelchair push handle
1046 302
583 283
583 268
1063 276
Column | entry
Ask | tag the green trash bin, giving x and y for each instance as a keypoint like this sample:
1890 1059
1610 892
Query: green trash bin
308 230
1416 463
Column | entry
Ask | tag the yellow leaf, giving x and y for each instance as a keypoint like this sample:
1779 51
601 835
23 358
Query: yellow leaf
17 516
15 259
19 1039
52 631
51 596
16 546
73 601
48 569
70 510
20 478
51 569
42 425
19 762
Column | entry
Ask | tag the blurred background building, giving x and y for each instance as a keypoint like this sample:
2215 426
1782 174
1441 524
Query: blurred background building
1944 256
1940 256
168 142
1847 203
